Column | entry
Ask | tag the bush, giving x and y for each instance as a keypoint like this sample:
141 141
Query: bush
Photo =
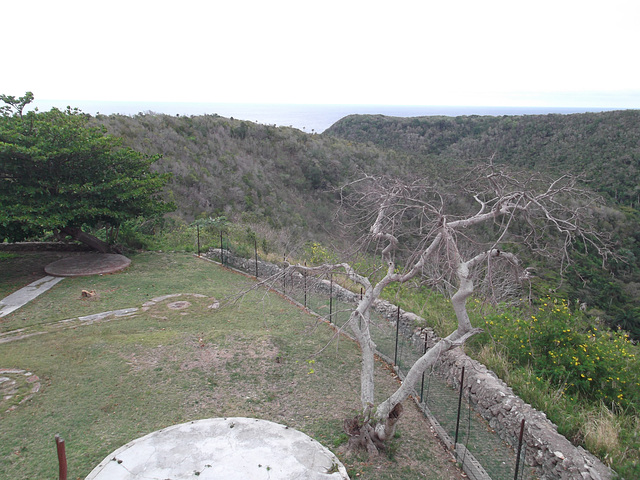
583 360
316 254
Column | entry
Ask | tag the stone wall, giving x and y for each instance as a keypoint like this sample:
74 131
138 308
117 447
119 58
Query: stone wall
549 453
44 247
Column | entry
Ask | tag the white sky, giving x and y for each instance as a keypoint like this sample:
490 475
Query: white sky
403 52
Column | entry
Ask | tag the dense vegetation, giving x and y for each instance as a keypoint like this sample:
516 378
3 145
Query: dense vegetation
281 179
58 174
602 147
251 172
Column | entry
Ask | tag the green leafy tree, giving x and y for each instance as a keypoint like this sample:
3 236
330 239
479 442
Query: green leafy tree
58 174
17 104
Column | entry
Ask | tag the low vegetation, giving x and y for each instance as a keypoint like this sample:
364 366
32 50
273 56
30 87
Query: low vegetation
105 384
583 376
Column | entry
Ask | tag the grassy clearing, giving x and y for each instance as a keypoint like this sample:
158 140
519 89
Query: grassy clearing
108 383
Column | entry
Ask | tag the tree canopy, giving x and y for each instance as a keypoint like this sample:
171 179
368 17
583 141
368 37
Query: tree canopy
59 173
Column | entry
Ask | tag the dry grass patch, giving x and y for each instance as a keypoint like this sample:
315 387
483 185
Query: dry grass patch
601 431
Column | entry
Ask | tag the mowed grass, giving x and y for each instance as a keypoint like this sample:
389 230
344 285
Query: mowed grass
108 383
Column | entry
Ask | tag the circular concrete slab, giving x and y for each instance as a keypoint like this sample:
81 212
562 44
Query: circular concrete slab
87 264
222 449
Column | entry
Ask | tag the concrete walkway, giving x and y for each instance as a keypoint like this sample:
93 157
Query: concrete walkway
73 266
222 449
26 294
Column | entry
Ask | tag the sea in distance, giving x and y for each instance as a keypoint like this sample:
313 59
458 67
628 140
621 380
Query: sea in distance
308 118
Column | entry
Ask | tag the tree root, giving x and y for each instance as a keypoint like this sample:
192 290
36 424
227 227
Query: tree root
363 434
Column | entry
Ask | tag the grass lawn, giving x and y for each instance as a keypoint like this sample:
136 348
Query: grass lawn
105 384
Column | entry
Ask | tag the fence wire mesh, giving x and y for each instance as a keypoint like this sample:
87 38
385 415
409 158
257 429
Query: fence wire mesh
321 296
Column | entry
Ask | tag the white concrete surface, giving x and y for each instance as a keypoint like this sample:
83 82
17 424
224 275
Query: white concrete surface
222 449
26 294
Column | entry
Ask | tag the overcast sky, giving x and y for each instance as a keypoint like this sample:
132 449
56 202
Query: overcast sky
446 52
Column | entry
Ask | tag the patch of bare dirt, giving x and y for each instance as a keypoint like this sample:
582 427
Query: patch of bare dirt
151 358
208 356
178 305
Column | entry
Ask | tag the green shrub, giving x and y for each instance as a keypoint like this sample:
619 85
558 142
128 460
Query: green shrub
316 254
583 360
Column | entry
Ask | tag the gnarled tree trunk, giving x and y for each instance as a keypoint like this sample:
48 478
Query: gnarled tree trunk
87 239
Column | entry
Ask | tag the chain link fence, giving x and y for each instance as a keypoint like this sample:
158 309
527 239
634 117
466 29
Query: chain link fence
478 448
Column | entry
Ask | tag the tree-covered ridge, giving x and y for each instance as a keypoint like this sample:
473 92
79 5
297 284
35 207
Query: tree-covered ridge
604 146
264 173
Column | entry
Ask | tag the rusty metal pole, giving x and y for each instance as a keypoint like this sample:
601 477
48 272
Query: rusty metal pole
459 405
62 458
515 477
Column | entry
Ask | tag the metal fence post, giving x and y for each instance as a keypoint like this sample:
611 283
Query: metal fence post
284 276
515 477
422 384
62 458
255 249
395 355
331 299
221 249
459 405
198 229
305 285
359 316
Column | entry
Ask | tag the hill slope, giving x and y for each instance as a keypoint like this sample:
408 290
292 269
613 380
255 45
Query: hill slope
260 173
603 147
285 178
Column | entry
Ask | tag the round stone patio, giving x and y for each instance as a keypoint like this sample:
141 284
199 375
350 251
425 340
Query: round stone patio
222 449
87 264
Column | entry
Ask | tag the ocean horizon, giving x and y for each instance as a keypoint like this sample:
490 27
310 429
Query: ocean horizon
313 118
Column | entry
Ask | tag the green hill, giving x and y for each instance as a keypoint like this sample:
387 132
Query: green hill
603 147
251 172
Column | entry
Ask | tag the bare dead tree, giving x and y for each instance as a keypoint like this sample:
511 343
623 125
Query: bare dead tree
432 233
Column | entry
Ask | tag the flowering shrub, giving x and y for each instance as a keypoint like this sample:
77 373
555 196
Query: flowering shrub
561 347
316 254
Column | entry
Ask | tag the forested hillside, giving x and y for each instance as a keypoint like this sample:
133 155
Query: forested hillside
603 147
252 172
